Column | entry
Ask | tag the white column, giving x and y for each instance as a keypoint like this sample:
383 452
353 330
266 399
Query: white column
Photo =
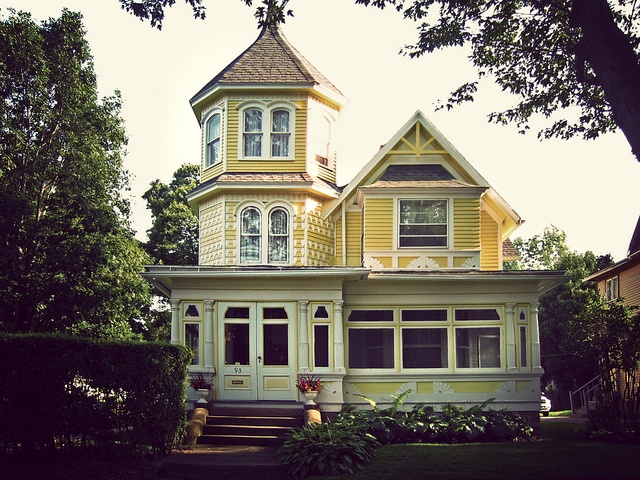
303 337
208 333
175 320
511 337
535 339
338 336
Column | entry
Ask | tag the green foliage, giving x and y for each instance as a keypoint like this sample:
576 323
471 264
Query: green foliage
423 424
66 392
173 236
68 258
330 448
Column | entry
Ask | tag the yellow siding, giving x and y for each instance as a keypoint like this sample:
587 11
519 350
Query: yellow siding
298 164
490 255
354 239
319 238
337 259
378 224
211 233
466 223
298 238
231 232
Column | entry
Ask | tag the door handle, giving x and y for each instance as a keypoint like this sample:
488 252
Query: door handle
259 359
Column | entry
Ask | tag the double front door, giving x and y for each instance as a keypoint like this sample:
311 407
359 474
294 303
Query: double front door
256 354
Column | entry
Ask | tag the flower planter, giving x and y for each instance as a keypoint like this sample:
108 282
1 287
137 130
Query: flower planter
202 393
310 396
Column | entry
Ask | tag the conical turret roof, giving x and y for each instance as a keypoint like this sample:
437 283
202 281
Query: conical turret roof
270 61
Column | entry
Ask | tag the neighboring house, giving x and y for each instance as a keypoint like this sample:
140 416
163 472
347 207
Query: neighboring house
393 282
622 280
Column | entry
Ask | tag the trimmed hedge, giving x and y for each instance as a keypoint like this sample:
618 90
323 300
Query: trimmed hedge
61 392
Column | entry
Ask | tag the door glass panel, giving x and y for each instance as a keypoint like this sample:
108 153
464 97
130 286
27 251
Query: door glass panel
236 344
276 344
271 313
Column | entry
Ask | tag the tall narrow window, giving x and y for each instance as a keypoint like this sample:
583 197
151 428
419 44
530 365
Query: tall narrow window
251 236
253 132
278 236
280 133
423 223
213 140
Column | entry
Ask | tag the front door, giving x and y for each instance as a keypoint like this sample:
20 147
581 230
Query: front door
256 351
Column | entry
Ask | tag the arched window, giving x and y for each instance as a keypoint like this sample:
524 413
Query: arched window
280 133
252 134
278 236
212 155
251 235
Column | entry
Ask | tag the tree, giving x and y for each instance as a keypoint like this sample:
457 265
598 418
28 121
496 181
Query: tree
173 236
566 363
68 257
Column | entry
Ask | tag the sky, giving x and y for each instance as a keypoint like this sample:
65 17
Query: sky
588 189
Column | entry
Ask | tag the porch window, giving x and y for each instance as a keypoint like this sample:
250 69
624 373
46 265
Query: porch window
523 346
192 341
424 348
321 346
423 223
371 347
478 347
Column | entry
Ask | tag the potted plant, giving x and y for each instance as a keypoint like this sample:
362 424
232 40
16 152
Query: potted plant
309 386
202 383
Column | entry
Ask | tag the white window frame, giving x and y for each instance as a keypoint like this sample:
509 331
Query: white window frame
449 223
612 288
267 109
208 161
265 233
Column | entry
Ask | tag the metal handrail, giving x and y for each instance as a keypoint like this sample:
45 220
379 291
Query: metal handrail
585 394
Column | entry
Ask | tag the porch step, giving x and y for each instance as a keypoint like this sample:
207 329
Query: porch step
251 424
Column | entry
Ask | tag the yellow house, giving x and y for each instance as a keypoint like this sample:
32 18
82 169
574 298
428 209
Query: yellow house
393 282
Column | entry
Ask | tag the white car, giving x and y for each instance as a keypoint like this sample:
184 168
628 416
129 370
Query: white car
545 406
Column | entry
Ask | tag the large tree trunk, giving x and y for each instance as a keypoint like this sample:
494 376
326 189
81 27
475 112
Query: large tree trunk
606 49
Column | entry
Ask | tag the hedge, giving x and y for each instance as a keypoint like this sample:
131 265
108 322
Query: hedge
63 392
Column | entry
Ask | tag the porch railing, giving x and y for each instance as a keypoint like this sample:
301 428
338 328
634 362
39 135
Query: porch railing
581 397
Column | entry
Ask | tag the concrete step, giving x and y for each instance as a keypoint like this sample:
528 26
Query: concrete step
254 420
253 430
257 440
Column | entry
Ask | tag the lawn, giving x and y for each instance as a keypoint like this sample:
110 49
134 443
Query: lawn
561 453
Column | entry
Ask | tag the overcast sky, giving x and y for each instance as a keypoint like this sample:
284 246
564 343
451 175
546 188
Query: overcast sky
588 189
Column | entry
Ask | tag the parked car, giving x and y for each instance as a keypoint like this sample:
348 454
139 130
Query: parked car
545 406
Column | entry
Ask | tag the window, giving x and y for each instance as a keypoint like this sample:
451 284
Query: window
280 133
424 348
321 346
611 289
478 347
192 341
270 241
523 346
267 130
251 236
212 155
371 347
423 223
252 136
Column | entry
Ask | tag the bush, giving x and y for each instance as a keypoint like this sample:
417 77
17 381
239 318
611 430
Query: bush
424 425
80 391
327 449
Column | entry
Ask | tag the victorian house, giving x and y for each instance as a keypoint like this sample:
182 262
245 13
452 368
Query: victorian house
392 282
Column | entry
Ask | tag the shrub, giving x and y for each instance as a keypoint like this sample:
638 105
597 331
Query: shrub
327 449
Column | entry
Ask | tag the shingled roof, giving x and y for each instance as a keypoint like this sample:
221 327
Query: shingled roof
418 176
271 59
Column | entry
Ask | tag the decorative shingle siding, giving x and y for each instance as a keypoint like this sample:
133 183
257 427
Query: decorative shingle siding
466 223
211 232
320 239
490 255
337 258
378 224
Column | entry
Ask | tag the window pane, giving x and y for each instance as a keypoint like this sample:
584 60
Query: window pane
251 222
237 312
280 121
279 249
236 344
371 316
477 314
423 223
424 348
192 341
371 348
280 145
279 236
253 145
321 345
275 338
273 313
253 120
279 222
250 236
213 140
250 249
478 347
424 315
523 346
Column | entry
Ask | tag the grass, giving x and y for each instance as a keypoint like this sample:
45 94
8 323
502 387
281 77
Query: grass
561 453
